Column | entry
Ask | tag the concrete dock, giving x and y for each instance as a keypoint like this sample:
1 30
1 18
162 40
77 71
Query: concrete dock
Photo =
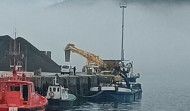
78 84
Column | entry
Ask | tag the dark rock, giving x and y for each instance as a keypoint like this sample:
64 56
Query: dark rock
35 59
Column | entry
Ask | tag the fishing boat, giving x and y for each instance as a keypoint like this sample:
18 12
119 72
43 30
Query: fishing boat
58 97
112 89
16 93
122 90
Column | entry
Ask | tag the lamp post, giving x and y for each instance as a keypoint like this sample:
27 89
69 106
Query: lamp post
122 50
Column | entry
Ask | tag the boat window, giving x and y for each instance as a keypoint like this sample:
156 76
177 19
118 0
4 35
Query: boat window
63 91
14 88
58 89
50 89
54 89
25 92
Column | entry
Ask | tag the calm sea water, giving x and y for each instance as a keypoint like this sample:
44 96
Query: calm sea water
160 93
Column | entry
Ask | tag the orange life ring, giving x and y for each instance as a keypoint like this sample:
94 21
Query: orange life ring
51 94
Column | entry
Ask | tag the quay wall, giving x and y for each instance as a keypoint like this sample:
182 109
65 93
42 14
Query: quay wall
79 85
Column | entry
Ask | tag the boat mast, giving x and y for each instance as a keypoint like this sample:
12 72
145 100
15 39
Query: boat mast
56 80
14 50
14 54
122 50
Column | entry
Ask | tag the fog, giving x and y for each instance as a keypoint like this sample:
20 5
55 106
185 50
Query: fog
156 33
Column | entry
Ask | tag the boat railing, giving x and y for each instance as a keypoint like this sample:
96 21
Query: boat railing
7 75
136 75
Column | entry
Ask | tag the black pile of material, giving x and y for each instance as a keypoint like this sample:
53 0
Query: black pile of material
35 59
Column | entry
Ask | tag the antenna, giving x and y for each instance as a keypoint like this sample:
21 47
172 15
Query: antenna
15 33
25 58
14 48
56 80
122 50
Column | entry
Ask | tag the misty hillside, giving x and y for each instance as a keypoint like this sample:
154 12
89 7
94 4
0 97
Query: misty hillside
35 58
90 2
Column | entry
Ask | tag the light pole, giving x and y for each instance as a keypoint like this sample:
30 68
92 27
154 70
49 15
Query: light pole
122 50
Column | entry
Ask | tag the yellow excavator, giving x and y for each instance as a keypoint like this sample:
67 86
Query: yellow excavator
93 61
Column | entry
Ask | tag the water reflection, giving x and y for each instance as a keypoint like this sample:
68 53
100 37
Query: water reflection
105 106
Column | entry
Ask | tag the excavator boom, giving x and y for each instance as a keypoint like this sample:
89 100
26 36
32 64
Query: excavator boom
91 58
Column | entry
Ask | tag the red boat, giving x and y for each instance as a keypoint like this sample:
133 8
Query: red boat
17 94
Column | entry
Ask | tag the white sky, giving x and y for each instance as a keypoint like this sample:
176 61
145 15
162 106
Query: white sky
156 37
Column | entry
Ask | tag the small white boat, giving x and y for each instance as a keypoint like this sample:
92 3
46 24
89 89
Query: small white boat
58 97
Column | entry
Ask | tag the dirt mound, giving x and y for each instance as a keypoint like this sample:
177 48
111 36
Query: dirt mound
35 59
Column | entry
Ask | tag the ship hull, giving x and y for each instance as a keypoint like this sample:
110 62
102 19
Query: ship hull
116 96
37 108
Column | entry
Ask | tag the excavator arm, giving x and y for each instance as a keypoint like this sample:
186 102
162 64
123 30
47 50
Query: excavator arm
91 58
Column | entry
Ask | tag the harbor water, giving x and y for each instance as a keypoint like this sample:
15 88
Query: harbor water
159 94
